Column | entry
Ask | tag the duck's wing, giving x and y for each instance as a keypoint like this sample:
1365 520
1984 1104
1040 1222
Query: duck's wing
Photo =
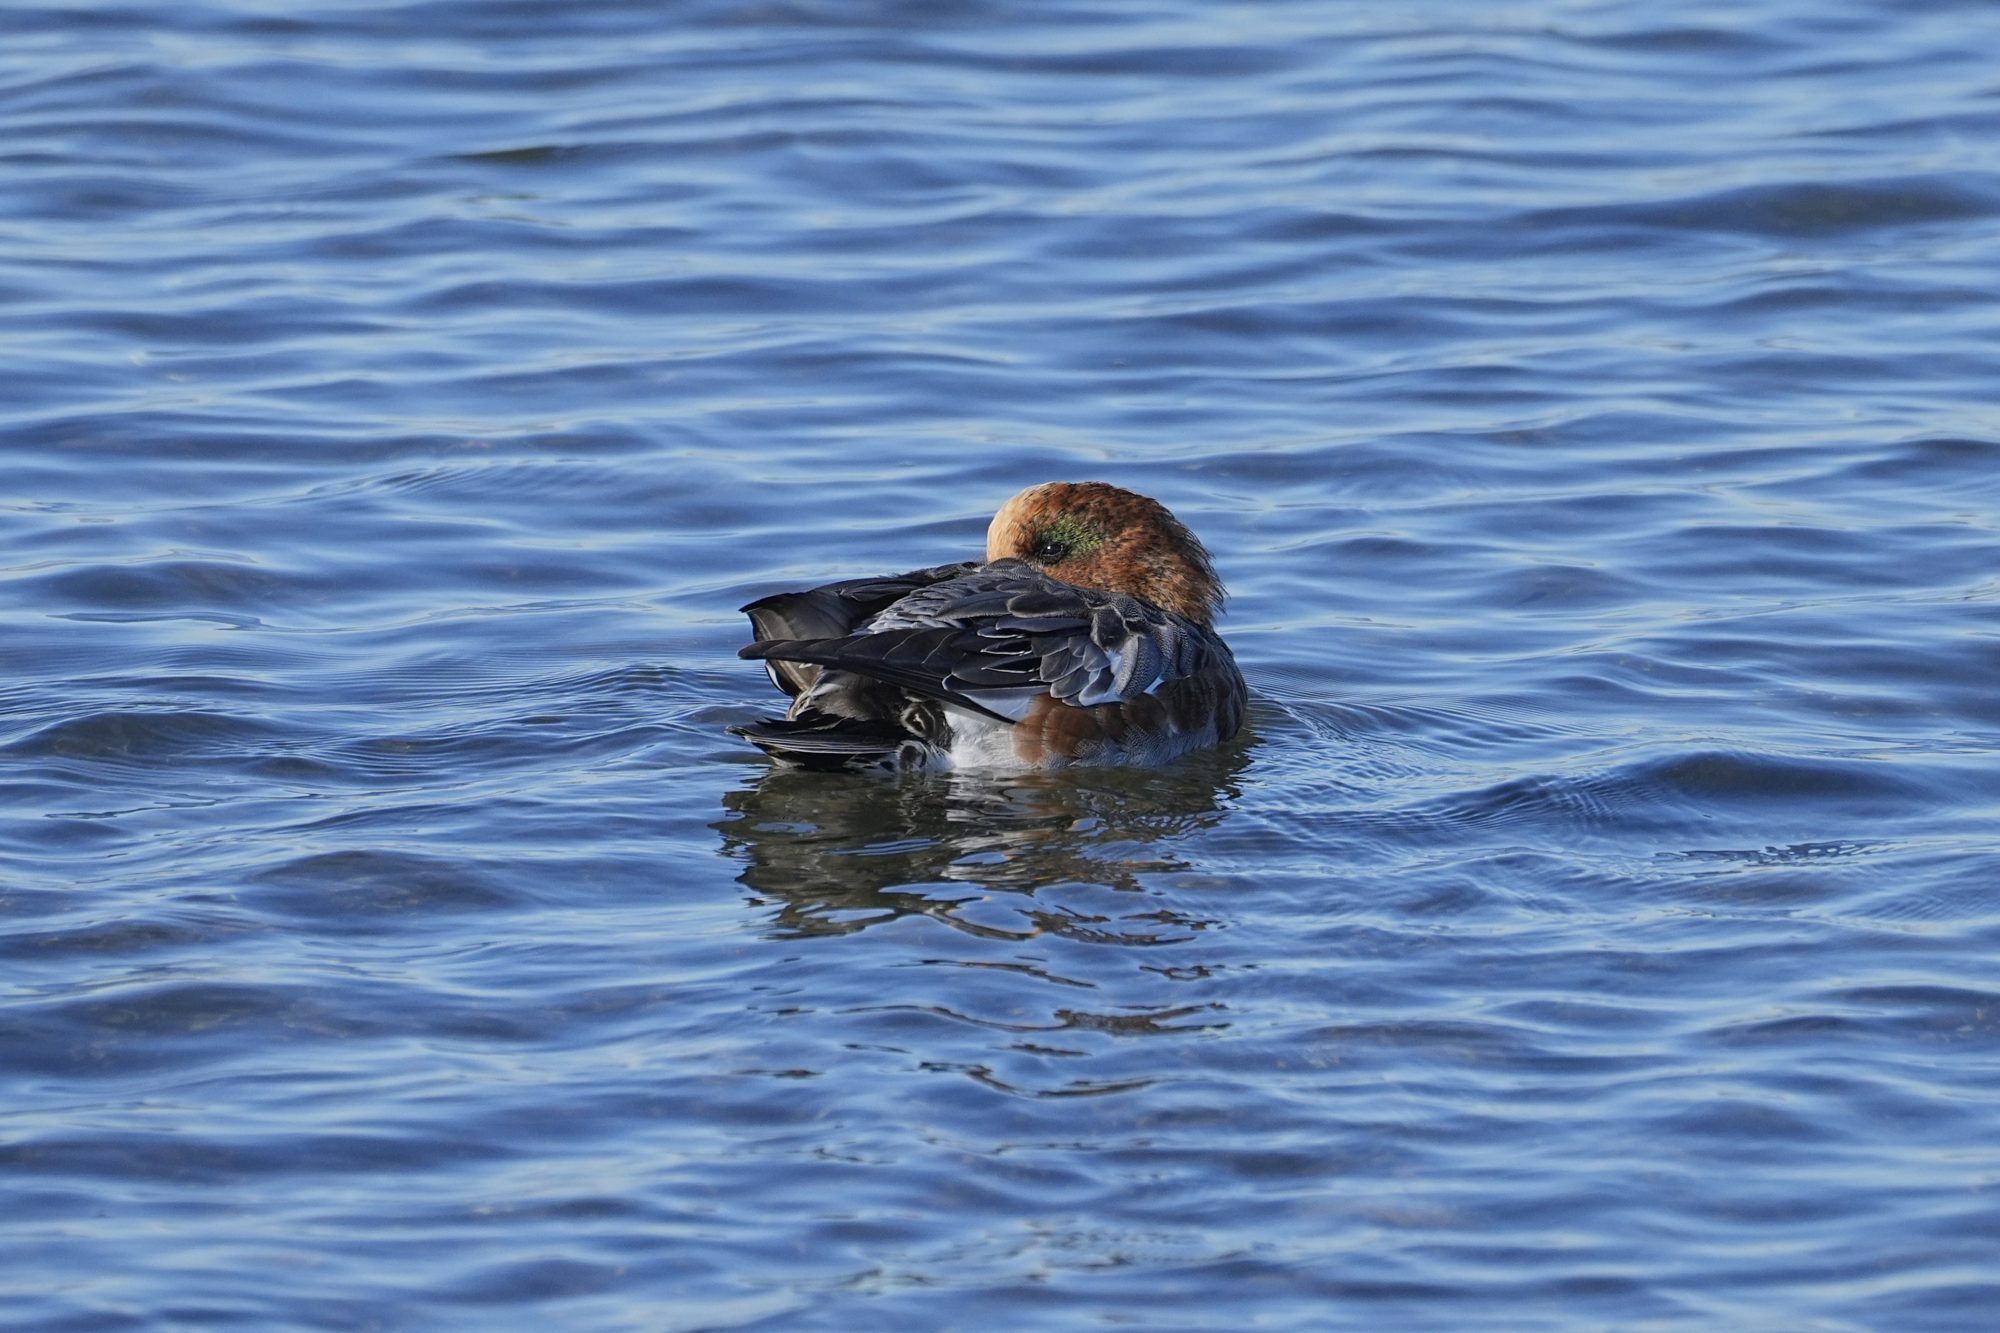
1005 638
832 610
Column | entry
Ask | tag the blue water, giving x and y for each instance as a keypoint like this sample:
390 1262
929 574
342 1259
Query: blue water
1591 407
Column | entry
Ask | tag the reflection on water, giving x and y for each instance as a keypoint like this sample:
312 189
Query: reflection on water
983 853
1044 921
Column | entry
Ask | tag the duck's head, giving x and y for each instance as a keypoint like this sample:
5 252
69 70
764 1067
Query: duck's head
1096 535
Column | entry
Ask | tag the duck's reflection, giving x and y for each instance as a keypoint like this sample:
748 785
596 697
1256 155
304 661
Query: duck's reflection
836 853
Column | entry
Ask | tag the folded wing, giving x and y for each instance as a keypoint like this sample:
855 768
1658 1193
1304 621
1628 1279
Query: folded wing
999 639
832 611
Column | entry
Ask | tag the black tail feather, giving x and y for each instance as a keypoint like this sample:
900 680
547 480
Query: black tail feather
827 743
911 657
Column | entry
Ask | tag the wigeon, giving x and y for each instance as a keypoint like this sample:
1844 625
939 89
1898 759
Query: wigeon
1087 636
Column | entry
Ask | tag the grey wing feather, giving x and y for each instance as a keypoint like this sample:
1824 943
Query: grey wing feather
1103 648
832 610
996 637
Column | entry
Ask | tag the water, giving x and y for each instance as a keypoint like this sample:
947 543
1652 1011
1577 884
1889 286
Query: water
1590 406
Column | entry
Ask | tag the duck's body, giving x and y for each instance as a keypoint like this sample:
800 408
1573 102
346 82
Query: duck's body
1085 638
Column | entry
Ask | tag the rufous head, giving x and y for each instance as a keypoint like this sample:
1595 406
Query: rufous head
1096 535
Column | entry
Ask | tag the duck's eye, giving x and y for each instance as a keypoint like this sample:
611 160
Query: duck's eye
1049 551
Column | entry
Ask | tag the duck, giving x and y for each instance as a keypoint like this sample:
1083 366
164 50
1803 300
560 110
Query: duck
1085 637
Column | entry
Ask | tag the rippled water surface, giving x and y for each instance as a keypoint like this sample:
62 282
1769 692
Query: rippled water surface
1591 405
